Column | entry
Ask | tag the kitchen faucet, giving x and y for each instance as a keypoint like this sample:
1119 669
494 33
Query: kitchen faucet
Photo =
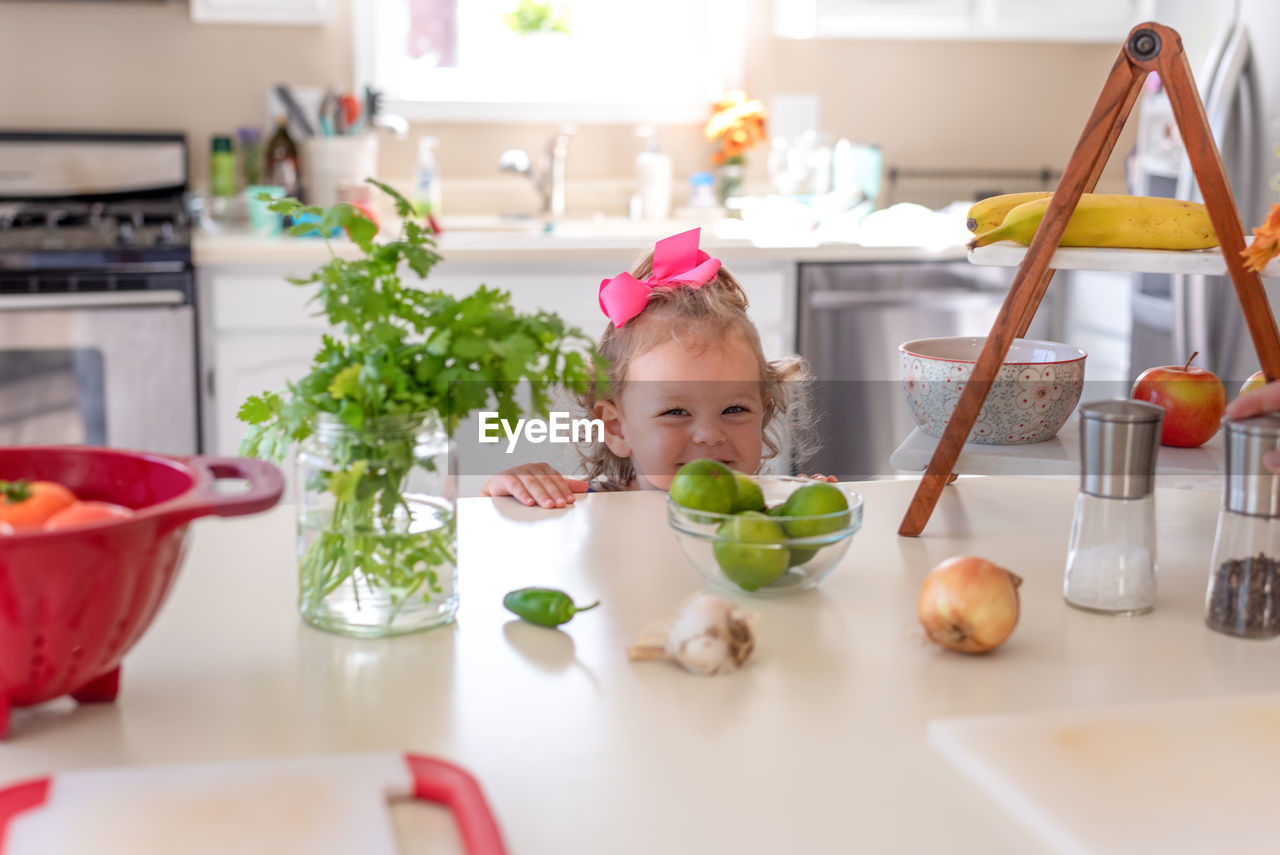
549 178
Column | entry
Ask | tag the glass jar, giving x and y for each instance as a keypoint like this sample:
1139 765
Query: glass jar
731 178
1111 559
1111 553
377 536
1243 597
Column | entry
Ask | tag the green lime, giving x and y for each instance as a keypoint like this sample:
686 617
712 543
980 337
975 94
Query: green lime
816 499
750 496
801 554
751 550
705 485
775 511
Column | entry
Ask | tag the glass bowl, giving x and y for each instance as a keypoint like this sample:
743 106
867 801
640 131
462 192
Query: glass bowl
746 566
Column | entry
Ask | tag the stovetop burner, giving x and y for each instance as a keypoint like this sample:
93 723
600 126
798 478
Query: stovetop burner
50 225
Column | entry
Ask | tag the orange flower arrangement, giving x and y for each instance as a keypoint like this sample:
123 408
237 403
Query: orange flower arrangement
737 124
1266 242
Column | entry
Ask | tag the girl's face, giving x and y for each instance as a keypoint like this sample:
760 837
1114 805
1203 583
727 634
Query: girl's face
681 404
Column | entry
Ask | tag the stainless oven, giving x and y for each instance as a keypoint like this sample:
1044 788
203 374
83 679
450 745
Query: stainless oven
97 310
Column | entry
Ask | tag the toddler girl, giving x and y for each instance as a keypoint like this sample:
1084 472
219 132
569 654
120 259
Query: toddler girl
687 380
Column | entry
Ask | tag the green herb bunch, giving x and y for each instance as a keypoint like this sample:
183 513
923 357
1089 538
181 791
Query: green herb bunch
404 355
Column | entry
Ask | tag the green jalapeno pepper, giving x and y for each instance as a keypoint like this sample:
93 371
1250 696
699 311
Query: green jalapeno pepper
543 606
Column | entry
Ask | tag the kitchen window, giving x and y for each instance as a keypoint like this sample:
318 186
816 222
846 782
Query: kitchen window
530 60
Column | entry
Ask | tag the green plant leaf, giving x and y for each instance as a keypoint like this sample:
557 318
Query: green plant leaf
343 484
404 208
259 408
398 348
346 383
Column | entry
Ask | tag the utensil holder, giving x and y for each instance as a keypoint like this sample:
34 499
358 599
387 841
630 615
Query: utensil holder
329 162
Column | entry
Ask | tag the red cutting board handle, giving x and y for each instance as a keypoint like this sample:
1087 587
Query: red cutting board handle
18 798
433 780
444 783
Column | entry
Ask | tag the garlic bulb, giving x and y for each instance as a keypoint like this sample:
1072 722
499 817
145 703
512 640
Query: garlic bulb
709 635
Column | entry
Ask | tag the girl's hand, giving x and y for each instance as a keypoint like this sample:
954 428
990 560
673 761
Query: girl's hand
1257 402
535 483
830 479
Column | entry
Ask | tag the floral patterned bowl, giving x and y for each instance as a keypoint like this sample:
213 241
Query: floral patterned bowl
1038 386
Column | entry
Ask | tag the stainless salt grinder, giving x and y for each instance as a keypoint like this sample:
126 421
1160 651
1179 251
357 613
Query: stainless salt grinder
1111 555
1243 597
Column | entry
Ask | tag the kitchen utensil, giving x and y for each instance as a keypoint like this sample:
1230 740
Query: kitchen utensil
296 114
1172 778
328 112
349 109
73 602
1034 392
375 117
810 556
312 805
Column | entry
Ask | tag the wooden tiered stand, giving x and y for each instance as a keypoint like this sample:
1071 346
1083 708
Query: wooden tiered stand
1149 47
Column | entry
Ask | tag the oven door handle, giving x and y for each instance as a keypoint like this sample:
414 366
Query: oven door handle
89 300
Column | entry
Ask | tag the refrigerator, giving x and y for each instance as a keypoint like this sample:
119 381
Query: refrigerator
1231 49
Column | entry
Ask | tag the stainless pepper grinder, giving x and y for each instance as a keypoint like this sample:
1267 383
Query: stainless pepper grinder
1243 598
1111 555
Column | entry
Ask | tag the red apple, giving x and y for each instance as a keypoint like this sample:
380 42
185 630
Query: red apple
1193 399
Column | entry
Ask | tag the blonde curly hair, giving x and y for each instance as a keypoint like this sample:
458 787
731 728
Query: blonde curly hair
697 317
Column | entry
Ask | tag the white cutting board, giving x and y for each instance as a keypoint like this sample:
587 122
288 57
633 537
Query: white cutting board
308 806
1175 778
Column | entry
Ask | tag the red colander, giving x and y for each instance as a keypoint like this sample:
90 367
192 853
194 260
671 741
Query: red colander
74 601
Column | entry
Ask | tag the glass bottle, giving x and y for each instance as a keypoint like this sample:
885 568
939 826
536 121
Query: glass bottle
282 169
377 535
222 168
1111 554
1243 597
251 156
426 184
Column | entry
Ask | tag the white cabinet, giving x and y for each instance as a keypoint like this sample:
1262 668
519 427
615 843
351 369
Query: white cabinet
261 11
1105 21
256 333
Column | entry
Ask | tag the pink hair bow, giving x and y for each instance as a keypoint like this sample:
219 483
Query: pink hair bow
676 261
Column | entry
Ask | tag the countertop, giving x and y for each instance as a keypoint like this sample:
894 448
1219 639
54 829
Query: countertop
817 746
587 241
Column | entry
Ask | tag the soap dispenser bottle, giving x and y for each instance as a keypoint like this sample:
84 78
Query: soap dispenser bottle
653 177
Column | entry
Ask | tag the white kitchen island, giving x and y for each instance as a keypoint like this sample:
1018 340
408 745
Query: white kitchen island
818 746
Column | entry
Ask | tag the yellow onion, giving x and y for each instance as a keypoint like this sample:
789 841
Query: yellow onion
969 604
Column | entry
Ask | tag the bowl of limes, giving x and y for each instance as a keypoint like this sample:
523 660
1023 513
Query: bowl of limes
765 535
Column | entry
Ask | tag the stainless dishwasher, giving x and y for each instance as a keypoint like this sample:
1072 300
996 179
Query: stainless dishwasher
853 316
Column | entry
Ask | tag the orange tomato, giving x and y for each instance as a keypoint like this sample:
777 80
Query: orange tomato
82 513
27 504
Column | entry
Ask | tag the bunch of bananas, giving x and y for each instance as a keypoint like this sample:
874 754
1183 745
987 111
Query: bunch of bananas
1132 222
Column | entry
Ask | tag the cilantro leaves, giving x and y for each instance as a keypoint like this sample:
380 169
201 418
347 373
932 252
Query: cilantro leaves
404 349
